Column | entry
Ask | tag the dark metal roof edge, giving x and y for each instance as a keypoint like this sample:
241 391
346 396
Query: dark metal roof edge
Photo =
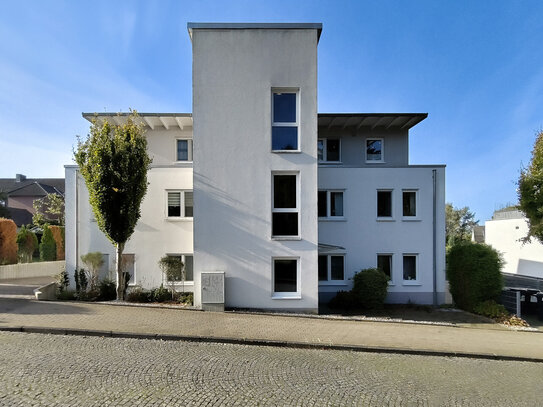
255 26
423 115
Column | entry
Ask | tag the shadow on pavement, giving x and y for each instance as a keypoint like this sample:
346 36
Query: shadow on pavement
33 307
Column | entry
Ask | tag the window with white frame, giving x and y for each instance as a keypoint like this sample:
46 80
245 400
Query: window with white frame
384 203
409 203
285 120
183 150
328 150
375 150
285 205
384 263
331 267
180 204
410 268
285 277
129 266
188 264
330 204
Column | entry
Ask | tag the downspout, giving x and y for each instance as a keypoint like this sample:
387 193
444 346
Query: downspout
76 220
434 236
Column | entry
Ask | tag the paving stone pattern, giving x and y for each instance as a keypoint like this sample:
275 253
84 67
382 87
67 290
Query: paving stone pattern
53 370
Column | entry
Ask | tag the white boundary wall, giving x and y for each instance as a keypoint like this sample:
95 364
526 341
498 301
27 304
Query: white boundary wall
26 270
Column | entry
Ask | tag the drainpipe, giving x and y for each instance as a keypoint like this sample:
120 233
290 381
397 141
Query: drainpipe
434 236
76 220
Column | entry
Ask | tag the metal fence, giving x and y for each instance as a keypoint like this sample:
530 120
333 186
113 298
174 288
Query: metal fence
511 301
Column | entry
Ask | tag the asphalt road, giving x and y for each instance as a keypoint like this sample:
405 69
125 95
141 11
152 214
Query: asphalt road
53 370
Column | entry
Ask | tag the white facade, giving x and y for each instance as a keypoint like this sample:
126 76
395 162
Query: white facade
258 167
504 232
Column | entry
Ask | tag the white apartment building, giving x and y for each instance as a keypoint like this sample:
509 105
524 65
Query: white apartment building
288 203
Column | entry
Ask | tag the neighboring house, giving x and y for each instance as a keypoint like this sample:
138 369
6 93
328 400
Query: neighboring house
288 203
504 232
22 192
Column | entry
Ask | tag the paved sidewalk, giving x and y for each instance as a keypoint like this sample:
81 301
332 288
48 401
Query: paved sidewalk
278 330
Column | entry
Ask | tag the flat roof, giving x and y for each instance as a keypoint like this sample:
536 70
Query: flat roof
151 120
370 120
255 26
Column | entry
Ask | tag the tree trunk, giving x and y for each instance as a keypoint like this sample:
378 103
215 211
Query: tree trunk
120 274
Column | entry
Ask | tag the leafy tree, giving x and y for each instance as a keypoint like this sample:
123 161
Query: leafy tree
48 247
459 223
530 191
113 161
49 209
174 270
27 243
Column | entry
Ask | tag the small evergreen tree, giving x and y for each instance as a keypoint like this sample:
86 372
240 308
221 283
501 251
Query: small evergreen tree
48 247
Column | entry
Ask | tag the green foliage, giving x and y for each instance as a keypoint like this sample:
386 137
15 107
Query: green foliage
27 243
106 290
173 268
530 191
160 294
473 271
81 282
49 209
62 280
491 309
186 298
94 261
66 295
48 247
459 223
370 288
138 295
343 300
113 161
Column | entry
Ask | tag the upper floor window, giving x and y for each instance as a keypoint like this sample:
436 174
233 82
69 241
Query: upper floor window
285 120
328 150
285 205
409 203
183 150
180 204
330 204
374 150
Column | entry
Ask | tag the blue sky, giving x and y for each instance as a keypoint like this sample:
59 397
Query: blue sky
476 67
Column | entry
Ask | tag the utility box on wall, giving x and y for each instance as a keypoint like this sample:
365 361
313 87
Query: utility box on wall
212 283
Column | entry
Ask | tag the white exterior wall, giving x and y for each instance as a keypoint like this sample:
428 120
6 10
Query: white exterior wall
154 235
363 236
234 72
504 235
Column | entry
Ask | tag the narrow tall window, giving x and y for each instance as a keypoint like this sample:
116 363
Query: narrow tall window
384 263
284 121
409 203
174 204
129 266
410 267
285 205
184 150
374 150
384 204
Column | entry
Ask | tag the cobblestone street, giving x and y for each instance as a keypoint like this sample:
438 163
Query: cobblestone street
52 370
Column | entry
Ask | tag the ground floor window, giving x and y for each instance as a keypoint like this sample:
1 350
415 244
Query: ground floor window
188 262
285 275
331 267
410 267
129 266
384 263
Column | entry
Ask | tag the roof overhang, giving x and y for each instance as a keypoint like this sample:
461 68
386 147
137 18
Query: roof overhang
153 121
255 26
357 121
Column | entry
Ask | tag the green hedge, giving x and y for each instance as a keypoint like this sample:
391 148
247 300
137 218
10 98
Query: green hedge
48 247
473 271
370 288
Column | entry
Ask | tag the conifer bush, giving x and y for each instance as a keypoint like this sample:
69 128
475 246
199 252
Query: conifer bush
58 235
474 274
48 247
8 241
27 243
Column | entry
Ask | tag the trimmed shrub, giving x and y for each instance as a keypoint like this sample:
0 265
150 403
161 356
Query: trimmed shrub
48 247
138 294
27 243
160 294
370 288
343 300
8 241
58 235
473 271
107 290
